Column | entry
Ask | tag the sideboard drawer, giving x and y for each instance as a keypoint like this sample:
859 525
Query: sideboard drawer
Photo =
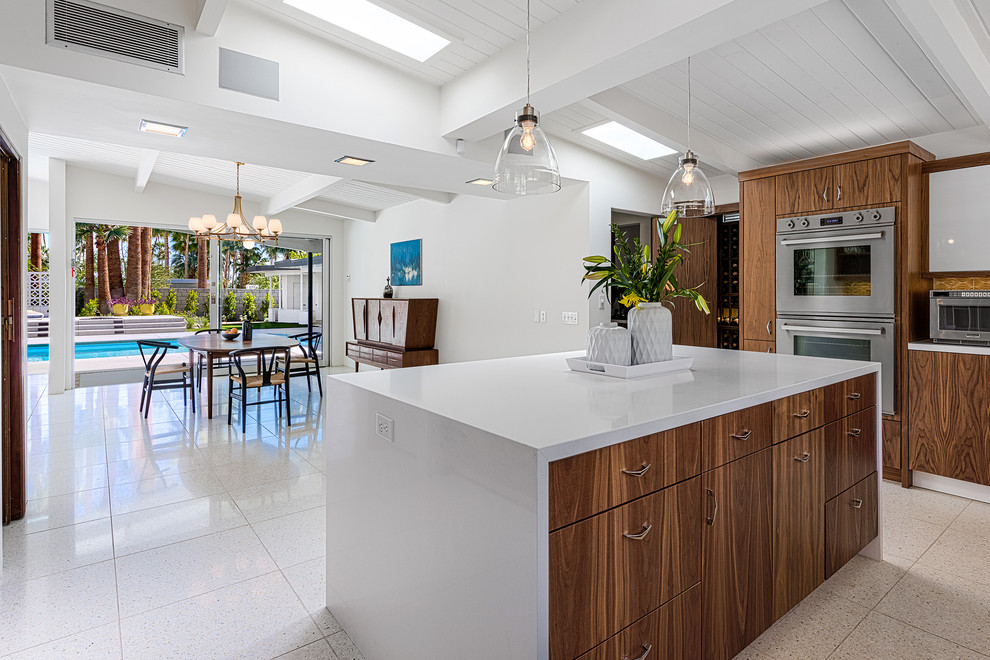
735 435
850 451
610 570
589 483
850 523
798 414
671 632
850 396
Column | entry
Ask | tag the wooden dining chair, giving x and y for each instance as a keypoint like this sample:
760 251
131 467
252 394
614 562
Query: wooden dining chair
152 353
308 362
266 374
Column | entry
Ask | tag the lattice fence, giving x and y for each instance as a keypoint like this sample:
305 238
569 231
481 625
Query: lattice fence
38 291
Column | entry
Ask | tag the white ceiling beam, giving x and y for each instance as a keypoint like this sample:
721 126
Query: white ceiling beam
957 40
337 210
145 167
210 14
294 195
422 193
594 47
632 111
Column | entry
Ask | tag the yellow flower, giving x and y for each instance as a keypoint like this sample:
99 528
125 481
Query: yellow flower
630 300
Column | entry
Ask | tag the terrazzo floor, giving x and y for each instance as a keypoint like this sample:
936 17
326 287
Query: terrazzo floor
179 537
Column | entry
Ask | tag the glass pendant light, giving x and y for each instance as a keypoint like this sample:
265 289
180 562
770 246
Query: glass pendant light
527 165
688 190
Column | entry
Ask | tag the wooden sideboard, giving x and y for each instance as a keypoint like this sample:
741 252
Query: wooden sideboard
393 333
691 542
887 175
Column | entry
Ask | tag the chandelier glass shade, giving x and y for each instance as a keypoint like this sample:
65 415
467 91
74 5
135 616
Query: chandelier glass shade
236 227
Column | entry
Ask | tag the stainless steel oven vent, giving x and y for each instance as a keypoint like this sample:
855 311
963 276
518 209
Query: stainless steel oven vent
88 27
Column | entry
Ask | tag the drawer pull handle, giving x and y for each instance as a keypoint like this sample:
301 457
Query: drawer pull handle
855 432
646 651
642 535
803 414
857 504
710 520
854 396
804 458
742 436
638 473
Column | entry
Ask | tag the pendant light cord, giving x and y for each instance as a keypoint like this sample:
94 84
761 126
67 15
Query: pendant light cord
689 103
527 52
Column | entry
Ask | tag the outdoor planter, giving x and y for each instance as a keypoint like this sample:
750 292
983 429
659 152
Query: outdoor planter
146 309
119 310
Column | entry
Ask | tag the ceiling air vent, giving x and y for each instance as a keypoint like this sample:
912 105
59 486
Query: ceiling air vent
88 27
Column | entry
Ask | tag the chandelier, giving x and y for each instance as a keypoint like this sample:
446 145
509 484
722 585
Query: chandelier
237 228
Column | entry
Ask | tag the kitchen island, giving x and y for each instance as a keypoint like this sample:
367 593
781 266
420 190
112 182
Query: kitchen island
514 509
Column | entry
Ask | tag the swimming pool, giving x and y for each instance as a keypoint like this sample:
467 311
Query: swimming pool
93 349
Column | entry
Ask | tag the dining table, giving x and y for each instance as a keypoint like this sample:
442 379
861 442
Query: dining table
215 346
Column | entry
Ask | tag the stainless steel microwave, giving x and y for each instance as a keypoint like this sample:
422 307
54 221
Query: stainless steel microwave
837 264
960 317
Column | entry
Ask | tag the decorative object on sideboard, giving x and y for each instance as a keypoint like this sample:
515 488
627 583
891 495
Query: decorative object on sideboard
641 281
527 164
407 263
688 190
610 344
388 292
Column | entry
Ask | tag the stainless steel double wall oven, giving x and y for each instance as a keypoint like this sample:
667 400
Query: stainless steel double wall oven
836 282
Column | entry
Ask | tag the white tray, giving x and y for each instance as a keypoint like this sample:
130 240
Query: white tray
637 371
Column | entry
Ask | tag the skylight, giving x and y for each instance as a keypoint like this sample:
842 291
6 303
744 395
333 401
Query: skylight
626 139
375 24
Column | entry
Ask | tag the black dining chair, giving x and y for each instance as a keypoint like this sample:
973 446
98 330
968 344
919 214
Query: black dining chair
266 374
152 353
218 362
308 360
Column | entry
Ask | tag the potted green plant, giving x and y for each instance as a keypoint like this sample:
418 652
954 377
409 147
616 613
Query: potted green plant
646 285
120 306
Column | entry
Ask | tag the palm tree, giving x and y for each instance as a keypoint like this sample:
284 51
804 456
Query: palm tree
84 233
202 250
114 269
185 256
165 250
105 234
134 273
147 245
36 258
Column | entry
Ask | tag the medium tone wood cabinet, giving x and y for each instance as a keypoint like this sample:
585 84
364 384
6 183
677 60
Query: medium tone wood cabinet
948 409
870 182
689 543
758 345
391 333
806 191
736 571
689 325
798 519
757 289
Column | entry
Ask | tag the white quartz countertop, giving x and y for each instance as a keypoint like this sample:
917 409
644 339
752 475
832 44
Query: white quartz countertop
948 348
538 402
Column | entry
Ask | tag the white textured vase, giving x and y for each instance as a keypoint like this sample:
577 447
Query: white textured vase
610 344
650 327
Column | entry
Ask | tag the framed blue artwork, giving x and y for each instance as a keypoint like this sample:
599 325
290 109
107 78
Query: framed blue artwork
407 263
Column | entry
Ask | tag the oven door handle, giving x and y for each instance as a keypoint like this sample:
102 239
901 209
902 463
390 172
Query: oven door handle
843 331
832 239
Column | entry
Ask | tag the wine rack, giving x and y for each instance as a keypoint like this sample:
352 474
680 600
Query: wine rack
728 285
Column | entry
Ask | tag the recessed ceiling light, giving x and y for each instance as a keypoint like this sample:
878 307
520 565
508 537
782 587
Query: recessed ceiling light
163 129
626 139
481 182
376 24
352 160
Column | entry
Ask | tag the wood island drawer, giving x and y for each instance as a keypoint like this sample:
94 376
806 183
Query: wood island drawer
589 483
737 434
850 523
798 414
610 570
850 396
850 451
671 632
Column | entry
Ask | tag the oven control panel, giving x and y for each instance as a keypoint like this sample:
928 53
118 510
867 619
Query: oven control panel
959 294
838 220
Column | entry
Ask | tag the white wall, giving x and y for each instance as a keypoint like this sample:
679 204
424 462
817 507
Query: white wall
15 131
